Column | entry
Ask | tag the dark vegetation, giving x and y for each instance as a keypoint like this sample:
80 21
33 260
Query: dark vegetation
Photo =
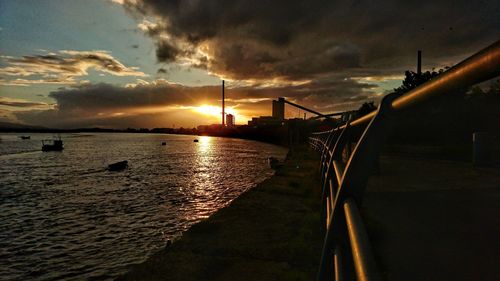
444 126
454 116
451 117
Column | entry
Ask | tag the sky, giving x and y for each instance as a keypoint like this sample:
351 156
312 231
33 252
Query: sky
145 63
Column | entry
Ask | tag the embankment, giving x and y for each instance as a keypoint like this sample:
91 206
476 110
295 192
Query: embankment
269 233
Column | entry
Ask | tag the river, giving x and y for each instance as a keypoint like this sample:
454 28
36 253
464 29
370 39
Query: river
64 216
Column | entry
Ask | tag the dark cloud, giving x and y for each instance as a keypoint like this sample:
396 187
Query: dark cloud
299 39
166 52
149 104
57 119
322 54
103 97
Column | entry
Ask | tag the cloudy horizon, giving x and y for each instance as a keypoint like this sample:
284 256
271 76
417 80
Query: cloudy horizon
145 63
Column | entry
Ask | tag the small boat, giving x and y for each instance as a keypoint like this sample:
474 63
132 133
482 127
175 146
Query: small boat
118 166
25 137
164 143
195 140
55 144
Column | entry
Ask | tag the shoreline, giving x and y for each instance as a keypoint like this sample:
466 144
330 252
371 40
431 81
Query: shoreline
273 231
240 137
270 232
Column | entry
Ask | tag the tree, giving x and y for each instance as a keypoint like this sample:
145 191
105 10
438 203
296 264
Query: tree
366 108
413 80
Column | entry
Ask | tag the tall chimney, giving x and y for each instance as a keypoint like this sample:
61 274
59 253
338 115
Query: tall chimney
419 63
223 115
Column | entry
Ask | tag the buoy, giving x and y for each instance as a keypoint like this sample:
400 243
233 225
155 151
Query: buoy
118 166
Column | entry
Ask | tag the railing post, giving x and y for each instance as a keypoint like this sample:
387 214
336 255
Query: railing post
326 152
356 174
340 142
333 138
365 154
344 221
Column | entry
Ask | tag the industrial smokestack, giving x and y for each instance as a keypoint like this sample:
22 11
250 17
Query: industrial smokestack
223 115
419 63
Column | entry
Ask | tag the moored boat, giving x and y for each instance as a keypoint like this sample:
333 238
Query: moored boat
55 144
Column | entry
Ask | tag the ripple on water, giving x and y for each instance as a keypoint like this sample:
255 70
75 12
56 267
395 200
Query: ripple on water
65 217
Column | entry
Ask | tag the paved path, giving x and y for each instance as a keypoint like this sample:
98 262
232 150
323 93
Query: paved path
434 220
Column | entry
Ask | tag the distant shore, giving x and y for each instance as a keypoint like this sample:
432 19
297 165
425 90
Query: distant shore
271 135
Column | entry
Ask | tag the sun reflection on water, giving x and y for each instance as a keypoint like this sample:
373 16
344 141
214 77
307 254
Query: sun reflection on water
204 179
90 218
204 144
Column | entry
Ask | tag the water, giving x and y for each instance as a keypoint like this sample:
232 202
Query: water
63 216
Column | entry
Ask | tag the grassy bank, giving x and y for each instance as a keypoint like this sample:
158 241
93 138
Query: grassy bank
271 232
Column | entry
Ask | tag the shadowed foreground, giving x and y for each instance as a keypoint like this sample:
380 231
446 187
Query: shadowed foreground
427 218
433 219
269 233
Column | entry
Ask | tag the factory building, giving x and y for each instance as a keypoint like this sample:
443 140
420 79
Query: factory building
279 109
278 118
264 121
230 120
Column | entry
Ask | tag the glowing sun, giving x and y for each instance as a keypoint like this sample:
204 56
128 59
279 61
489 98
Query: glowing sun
213 110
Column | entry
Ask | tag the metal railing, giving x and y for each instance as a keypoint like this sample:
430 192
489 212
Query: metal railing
349 154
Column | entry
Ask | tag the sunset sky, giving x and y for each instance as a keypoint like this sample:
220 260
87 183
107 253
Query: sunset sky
145 63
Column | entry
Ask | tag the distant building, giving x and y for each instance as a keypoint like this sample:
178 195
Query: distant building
265 121
230 120
210 128
279 109
278 118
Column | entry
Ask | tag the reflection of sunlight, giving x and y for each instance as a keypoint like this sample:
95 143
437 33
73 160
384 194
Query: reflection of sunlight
204 179
204 166
204 145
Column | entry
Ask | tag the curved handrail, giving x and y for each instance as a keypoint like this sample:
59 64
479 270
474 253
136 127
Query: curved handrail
342 203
